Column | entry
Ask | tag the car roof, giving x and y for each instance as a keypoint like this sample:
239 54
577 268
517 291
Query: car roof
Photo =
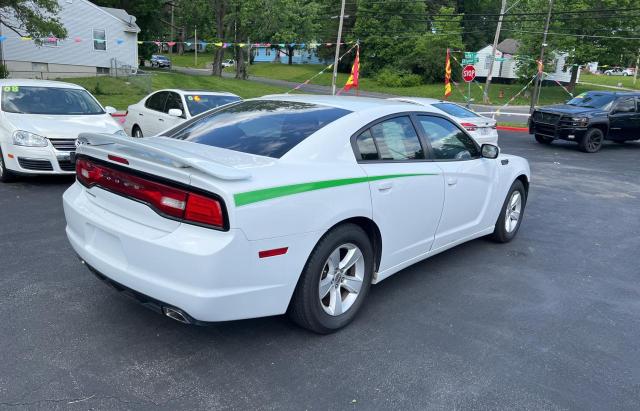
615 93
351 103
423 101
38 83
208 92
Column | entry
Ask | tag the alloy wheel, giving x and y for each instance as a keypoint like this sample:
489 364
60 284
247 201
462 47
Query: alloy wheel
594 142
512 215
341 279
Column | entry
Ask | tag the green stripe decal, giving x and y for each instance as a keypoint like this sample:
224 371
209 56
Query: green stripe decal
250 197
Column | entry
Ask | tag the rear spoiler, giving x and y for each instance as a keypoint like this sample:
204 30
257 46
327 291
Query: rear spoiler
179 158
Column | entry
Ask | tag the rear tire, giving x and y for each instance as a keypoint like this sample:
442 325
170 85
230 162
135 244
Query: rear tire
335 281
511 214
543 139
6 176
137 133
592 141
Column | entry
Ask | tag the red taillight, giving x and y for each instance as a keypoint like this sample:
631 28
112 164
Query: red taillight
469 126
167 200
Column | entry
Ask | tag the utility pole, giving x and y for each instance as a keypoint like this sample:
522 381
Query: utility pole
536 91
635 72
195 43
485 95
172 28
335 61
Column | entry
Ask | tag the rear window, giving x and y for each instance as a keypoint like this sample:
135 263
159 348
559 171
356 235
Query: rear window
261 127
199 103
455 110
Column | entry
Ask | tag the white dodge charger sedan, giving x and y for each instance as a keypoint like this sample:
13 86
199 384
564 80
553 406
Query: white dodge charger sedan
482 129
285 204
40 122
165 109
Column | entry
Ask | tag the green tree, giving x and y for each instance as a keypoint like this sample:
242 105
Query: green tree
35 18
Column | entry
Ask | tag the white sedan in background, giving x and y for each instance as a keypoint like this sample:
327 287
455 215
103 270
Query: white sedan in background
289 203
482 129
40 122
164 109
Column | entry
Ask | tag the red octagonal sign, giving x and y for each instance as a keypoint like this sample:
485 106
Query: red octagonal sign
468 73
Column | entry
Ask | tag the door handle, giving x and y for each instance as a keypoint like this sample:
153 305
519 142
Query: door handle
140 114
160 119
386 186
452 181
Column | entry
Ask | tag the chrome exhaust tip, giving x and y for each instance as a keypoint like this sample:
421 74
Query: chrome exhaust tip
176 314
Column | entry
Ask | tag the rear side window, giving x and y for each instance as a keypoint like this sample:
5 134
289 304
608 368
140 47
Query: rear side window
626 105
455 110
156 101
393 139
261 127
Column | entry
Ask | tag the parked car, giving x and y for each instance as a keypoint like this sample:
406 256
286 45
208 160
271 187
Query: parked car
167 108
228 63
286 203
160 61
589 119
40 121
618 71
482 129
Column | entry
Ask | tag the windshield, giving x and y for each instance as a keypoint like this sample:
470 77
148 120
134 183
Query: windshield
261 127
48 100
455 110
199 103
592 100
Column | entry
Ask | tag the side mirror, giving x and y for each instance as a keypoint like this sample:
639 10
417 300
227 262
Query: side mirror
489 151
110 110
175 112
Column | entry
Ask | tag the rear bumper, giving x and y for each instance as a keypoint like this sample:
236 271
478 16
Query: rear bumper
209 275
490 138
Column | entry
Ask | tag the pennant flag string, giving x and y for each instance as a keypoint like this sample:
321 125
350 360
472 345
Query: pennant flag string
330 66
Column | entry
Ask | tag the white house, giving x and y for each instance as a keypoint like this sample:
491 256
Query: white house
505 65
100 40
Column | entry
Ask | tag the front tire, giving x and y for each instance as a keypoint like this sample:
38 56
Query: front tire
6 176
137 132
335 281
543 139
592 141
511 214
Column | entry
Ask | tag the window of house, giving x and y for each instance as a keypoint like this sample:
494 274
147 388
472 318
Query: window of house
99 39
267 52
39 66
487 62
102 70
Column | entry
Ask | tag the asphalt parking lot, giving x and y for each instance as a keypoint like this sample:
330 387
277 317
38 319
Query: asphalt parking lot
548 321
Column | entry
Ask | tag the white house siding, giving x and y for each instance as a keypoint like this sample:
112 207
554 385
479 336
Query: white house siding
482 66
69 57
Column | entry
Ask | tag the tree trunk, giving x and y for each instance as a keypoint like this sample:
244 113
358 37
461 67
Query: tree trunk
241 68
220 10
290 55
574 77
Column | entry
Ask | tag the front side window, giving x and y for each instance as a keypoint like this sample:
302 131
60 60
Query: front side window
99 40
48 100
448 142
199 103
173 101
393 139
156 101
260 127
626 105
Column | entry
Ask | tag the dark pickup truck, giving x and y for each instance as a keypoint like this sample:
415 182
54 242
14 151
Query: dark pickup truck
589 119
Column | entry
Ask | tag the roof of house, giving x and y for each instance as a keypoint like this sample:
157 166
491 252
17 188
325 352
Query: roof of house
122 15
509 46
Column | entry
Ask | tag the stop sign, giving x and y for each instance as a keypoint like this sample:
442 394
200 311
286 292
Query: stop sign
468 73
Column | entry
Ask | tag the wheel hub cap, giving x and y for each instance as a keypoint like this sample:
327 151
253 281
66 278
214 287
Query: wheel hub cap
514 208
341 279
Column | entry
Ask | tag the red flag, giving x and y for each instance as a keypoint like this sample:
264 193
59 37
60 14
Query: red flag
352 81
447 76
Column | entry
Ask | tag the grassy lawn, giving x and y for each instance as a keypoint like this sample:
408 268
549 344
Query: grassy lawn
120 92
549 95
618 81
